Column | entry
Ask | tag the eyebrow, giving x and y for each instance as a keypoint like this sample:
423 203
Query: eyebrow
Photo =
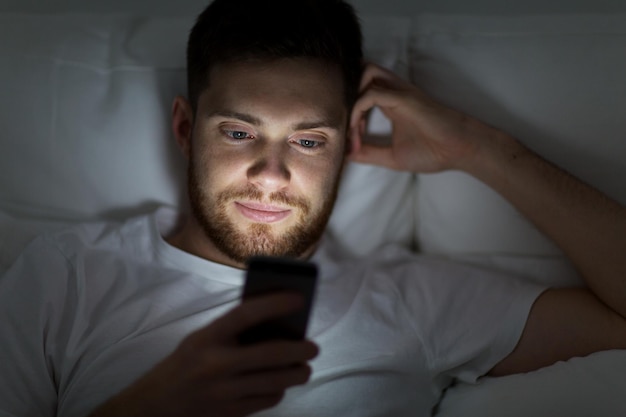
328 123
236 115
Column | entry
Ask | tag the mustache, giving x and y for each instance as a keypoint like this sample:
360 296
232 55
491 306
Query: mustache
253 194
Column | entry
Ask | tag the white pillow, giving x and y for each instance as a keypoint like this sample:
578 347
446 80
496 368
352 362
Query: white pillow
555 82
86 114
585 387
85 117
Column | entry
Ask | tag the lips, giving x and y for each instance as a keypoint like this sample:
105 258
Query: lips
262 213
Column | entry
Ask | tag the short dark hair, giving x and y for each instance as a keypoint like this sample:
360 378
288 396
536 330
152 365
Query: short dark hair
229 31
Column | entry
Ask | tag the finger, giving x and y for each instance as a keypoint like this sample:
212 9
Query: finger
355 135
274 354
275 381
231 360
360 111
374 72
379 96
377 76
375 155
251 312
266 383
382 97
253 404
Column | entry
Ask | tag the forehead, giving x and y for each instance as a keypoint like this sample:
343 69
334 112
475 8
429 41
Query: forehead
286 89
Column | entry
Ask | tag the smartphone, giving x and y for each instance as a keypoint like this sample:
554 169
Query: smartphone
271 274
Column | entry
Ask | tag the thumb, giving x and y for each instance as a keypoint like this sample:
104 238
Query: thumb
374 155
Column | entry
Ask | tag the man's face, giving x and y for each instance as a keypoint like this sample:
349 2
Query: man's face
266 154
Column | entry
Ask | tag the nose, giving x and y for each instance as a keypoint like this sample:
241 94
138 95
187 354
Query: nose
269 171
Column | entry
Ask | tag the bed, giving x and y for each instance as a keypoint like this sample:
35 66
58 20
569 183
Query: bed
84 136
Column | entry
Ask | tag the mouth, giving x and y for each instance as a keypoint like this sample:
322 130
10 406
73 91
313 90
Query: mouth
262 213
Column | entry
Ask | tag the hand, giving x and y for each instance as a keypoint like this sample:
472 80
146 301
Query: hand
210 374
427 136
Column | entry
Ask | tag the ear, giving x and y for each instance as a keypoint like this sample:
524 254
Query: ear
182 124
347 148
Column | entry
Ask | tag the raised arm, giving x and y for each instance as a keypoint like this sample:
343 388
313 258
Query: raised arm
588 226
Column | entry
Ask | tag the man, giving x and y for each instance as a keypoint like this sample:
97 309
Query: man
143 318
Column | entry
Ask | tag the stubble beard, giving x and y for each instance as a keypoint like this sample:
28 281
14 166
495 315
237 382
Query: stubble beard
257 239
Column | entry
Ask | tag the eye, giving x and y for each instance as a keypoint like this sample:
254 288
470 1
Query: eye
309 143
237 134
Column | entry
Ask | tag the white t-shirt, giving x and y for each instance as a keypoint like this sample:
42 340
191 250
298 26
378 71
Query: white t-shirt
86 311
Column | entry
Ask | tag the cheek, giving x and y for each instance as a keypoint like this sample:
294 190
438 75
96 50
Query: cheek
218 167
317 181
